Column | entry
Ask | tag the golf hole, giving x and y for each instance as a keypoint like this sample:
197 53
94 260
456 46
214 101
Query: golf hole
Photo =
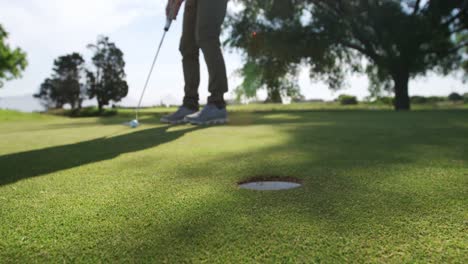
270 183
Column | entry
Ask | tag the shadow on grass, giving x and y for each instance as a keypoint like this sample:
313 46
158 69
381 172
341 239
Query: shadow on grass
121 119
29 164
344 140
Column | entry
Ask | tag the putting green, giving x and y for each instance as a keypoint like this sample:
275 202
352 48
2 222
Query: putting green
378 186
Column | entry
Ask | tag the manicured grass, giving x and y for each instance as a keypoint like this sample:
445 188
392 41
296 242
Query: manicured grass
379 186
330 106
10 115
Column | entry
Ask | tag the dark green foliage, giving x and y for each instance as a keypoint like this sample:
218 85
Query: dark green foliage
12 60
49 95
399 39
107 82
436 99
428 100
92 112
455 97
257 77
84 112
345 99
419 100
463 38
251 83
66 85
386 100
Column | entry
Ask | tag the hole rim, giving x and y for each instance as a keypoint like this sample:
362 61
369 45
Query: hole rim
287 179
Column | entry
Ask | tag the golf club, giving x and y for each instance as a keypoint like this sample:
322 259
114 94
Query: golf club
135 123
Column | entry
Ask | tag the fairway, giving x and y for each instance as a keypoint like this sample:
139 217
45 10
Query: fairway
378 186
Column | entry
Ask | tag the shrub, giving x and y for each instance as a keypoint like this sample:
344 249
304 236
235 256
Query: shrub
345 99
419 100
91 112
387 100
436 99
455 97
84 112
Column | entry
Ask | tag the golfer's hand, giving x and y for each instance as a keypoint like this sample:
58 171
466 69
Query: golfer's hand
172 8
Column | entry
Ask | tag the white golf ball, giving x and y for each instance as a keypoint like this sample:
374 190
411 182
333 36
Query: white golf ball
134 124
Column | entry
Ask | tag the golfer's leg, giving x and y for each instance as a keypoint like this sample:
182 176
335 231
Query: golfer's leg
210 17
190 53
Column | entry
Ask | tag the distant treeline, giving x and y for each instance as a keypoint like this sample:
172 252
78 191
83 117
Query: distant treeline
72 82
345 99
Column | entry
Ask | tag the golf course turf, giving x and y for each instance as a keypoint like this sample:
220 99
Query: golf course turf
378 186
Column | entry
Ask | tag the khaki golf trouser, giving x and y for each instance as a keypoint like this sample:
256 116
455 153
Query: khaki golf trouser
201 30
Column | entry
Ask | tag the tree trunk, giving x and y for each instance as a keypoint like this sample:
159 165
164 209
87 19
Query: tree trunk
100 106
274 96
402 100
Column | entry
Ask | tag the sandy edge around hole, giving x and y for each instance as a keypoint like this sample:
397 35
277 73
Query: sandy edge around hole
272 179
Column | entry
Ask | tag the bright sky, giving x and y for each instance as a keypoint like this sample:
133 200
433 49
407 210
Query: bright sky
46 29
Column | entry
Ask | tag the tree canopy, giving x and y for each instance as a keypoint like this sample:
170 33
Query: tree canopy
107 82
67 83
12 60
391 41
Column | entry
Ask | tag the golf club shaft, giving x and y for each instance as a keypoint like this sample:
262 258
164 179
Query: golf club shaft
149 75
166 29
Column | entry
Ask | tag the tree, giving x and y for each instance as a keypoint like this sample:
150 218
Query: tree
464 38
263 74
272 57
107 82
345 99
66 85
69 77
455 97
399 39
12 61
49 96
